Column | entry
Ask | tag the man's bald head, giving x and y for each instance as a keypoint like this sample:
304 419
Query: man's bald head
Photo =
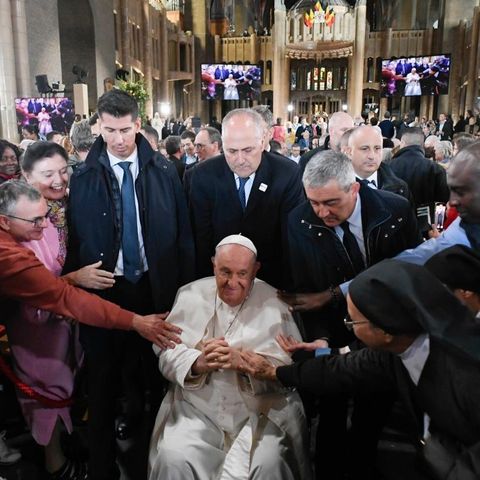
361 133
339 123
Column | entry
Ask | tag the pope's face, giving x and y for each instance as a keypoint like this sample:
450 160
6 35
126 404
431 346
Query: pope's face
235 268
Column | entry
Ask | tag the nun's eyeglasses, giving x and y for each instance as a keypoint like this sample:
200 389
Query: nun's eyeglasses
349 323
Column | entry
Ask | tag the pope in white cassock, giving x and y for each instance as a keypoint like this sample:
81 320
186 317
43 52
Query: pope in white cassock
215 422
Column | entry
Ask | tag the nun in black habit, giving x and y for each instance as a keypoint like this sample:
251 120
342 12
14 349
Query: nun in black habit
423 342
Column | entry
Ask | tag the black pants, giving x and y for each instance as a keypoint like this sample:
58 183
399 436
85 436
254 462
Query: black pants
120 363
352 453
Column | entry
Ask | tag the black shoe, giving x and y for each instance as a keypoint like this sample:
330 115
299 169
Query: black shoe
71 471
123 430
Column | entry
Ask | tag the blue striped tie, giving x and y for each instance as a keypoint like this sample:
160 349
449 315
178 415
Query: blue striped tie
130 246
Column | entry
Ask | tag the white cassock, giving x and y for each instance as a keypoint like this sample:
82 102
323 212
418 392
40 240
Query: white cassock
225 425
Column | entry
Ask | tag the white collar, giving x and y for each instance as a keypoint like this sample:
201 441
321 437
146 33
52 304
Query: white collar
356 217
115 160
373 178
415 357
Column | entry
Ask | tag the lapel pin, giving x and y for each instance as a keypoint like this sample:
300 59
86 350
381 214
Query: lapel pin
263 187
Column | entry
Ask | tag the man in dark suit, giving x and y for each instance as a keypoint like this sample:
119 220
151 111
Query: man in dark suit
343 228
338 124
127 209
386 126
445 127
365 147
173 146
208 144
245 190
427 180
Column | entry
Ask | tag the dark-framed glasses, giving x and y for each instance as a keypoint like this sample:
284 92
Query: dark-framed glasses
349 323
199 146
37 221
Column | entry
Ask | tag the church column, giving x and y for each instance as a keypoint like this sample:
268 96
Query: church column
452 13
203 51
217 106
254 48
147 57
426 101
281 64
456 71
386 53
19 23
472 62
350 85
163 90
8 83
355 107
124 36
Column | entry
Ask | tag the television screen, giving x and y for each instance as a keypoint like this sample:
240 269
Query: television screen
415 76
55 113
231 82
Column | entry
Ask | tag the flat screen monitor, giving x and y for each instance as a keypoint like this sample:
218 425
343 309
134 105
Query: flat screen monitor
53 113
415 76
230 82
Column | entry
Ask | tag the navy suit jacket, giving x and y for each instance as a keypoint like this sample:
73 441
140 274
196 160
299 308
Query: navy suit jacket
94 221
216 212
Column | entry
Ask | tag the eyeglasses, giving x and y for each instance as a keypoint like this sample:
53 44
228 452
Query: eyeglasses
37 221
199 146
349 323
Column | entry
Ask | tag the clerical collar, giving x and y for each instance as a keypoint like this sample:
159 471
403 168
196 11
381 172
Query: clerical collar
415 357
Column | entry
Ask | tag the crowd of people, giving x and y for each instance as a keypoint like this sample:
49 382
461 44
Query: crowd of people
283 273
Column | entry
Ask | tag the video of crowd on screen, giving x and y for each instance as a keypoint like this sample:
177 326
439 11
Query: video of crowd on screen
48 114
231 82
415 76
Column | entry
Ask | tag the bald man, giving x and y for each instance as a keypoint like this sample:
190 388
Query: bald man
365 147
245 190
338 124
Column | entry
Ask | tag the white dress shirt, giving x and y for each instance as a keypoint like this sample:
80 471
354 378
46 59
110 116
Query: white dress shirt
373 178
248 185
